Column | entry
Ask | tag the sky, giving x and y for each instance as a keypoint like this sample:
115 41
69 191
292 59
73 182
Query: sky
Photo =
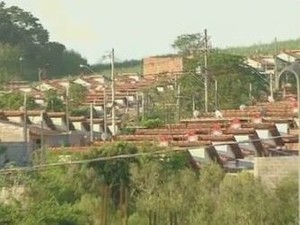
142 28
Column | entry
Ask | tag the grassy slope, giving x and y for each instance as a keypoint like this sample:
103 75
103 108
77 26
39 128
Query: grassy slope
270 48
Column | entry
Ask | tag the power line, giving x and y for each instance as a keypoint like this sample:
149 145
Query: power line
99 159
128 156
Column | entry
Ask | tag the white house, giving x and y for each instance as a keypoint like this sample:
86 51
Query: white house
289 56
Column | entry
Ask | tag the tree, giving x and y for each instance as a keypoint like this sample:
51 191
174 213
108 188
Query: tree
77 95
19 27
188 44
150 189
179 195
115 176
9 62
286 204
71 60
224 69
51 54
54 102
243 200
14 101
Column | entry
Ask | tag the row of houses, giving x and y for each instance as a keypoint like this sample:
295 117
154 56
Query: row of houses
157 72
234 140
270 64
24 132
35 129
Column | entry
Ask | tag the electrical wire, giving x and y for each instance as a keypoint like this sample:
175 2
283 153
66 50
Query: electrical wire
99 159
127 156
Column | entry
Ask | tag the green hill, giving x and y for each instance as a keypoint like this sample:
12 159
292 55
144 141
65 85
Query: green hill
267 48
135 66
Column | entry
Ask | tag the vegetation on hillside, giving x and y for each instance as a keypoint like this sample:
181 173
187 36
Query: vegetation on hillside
144 190
127 66
264 49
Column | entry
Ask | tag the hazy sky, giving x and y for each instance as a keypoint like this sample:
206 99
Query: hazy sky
139 28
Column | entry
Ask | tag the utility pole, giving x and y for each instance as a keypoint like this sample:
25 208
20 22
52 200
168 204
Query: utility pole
194 106
216 94
25 128
205 70
67 114
143 105
91 123
113 110
271 85
178 102
43 153
21 66
104 111
137 109
275 62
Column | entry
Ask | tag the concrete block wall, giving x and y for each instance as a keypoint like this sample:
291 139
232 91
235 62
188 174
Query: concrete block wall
272 170
11 133
16 152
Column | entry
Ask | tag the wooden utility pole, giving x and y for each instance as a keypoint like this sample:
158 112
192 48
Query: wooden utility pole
25 128
275 68
205 70
143 105
104 111
91 123
178 102
43 153
113 109
216 94
67 114
137 109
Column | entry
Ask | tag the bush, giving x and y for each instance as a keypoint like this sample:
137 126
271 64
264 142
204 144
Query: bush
127 130
152 123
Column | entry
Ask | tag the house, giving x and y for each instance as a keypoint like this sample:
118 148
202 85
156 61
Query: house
51 127
82 82
263 64
15 144
57 85
285 58
288 56
45 86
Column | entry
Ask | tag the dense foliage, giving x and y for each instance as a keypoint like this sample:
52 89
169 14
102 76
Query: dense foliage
25 48
15 101
153 189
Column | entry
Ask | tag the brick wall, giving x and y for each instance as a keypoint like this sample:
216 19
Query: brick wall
157 65
272 169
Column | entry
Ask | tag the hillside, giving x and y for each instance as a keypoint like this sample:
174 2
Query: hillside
135 66
266 48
